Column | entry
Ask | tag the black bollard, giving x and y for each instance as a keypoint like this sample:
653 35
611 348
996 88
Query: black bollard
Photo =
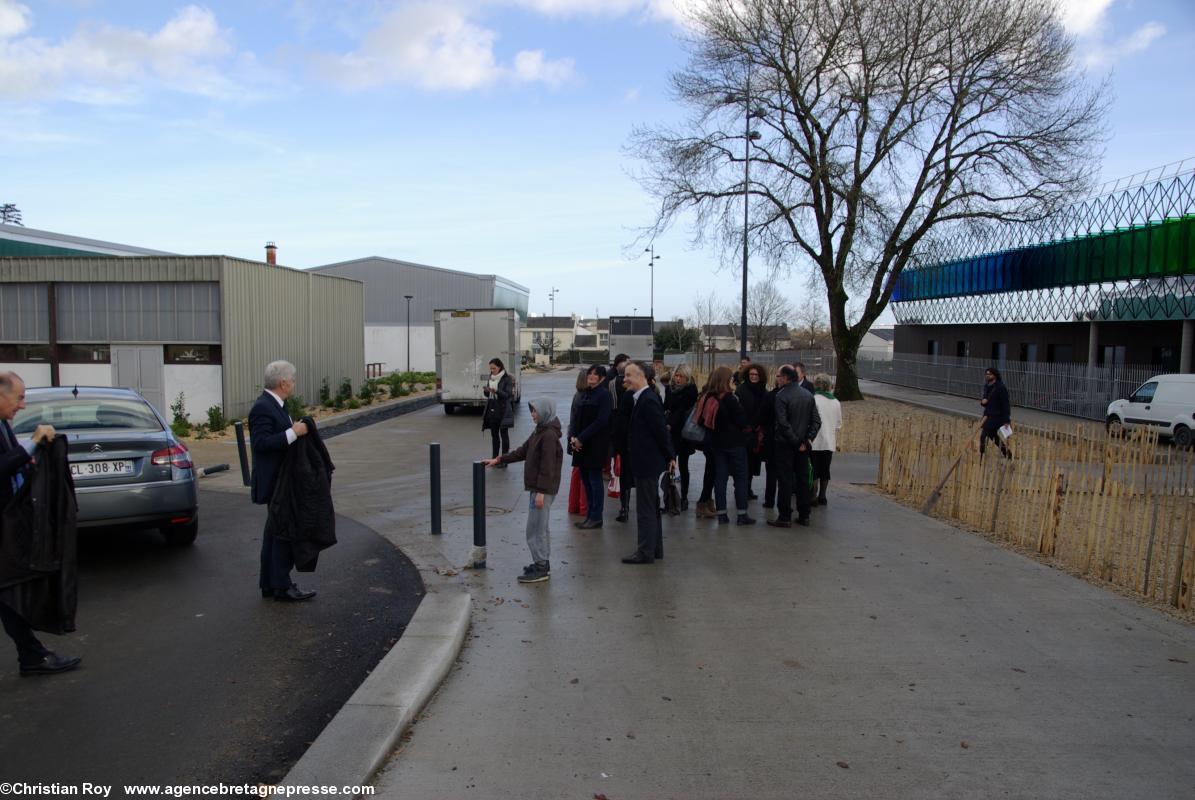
434 450
478 515
244 455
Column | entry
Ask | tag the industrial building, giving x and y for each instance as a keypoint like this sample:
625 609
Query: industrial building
79 311
401 296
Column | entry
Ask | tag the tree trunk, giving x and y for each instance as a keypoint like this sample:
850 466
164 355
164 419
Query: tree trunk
846 381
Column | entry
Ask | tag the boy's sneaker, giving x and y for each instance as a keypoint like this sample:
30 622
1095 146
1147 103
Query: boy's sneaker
527 570
538 572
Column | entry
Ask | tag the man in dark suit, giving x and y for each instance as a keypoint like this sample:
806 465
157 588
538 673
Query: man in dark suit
271 432
649 452
32 655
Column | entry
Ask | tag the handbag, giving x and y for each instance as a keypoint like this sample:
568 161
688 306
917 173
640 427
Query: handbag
693 431
670 488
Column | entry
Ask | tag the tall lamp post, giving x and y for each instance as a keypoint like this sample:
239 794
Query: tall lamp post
651 262
748 136
552 326
408 297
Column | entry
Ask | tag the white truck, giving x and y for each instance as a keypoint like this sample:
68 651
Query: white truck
633 336
466 340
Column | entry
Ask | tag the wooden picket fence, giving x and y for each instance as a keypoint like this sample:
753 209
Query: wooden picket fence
1119 511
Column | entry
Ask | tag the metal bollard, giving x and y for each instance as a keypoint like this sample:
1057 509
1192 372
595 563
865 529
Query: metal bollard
434 452
478 516
244 455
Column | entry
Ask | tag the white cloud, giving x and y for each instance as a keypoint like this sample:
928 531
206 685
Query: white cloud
106 64
436 47
1096 45
670 10
1083 16
14 19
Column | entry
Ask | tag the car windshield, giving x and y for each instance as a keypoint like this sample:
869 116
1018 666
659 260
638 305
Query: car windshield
87 414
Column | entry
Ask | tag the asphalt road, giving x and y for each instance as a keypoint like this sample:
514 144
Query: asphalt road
189 676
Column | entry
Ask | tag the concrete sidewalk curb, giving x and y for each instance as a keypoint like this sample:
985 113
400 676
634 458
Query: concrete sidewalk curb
363 734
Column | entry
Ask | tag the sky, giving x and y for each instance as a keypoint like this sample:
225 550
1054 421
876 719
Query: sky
483 135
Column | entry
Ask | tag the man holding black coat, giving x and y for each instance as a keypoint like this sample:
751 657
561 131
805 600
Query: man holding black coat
33 657
649 453
271 433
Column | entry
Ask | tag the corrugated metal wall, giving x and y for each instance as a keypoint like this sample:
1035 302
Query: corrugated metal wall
24 314
387 280
184 313
268 313
100 269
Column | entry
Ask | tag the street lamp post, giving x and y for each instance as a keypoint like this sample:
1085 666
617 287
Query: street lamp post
748 136
552 326
408 298
651 262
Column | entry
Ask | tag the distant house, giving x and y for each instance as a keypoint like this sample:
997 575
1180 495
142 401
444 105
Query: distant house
877 344
726 337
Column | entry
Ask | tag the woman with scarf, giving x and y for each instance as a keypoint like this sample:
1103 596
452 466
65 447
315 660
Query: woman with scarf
826 441
589 440
499 415
720 412
680 397
752 394
576 490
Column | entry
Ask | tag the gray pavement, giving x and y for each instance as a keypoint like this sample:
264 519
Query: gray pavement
189 676
877 653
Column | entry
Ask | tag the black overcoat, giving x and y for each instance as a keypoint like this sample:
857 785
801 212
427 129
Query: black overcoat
39 544
301 510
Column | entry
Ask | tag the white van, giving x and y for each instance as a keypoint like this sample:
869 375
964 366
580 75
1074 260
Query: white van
1164 402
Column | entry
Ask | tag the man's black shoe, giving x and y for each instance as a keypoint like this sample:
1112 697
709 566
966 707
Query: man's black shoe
51 664
803 521
267 592
623 516
637 558
821 501
293 594
589 524
723 519
743 519
780 523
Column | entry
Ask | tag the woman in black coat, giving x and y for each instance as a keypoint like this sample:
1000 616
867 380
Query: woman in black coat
997 411
499 415
680 397
726 442
589 440
753 394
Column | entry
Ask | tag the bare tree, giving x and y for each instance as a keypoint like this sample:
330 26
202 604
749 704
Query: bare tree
708 312
881 127
10 214
768 309
811 330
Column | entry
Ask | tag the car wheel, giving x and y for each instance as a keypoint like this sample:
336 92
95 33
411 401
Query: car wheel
182 534
449 408
1183 438
1114 427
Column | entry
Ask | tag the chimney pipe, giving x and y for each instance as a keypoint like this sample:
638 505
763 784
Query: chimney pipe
271 253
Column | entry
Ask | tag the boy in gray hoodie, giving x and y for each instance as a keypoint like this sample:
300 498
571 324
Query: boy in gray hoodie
541 478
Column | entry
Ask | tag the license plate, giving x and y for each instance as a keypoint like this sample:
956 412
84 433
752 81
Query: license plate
95 469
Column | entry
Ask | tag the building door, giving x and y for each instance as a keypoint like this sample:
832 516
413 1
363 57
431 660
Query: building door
138 367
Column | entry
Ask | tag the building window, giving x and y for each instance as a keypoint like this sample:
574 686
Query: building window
999 351
1166 358
1028 351
85 354
962 349
21 353
1112 355
1060 353
192 354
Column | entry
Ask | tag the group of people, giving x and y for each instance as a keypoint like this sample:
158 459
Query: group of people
633 422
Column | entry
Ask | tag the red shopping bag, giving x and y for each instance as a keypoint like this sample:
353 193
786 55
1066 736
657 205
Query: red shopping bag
612 489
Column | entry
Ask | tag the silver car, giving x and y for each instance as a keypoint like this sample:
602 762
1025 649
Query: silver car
129 468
